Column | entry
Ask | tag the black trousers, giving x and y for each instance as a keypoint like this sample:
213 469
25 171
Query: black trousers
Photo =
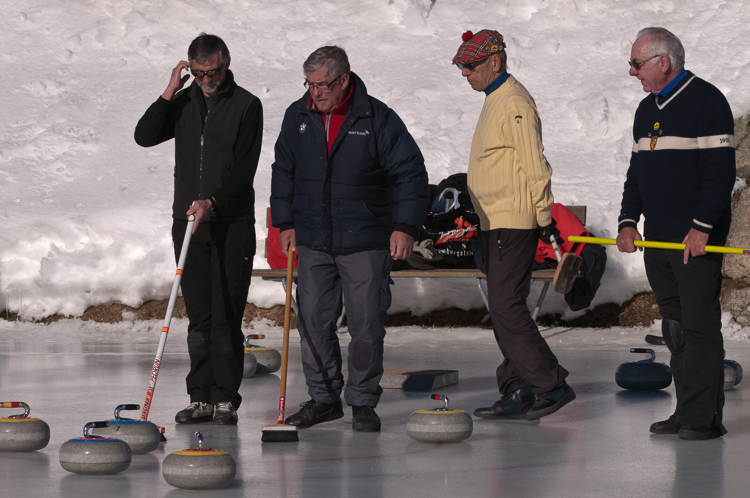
508 256
690 294
215 284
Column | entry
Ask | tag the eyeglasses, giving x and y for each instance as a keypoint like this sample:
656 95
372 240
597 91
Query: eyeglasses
637 65
211 73
323 87
471 66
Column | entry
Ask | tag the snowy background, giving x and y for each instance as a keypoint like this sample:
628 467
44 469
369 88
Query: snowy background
86 212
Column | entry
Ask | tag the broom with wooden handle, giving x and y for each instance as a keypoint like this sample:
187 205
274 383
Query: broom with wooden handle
281 432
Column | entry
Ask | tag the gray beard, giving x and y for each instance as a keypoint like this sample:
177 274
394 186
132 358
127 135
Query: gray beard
210 89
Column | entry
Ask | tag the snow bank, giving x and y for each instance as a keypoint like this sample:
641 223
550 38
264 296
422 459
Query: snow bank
86 212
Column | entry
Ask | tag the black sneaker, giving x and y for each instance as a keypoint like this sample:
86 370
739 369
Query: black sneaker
225 414
195 413
511 406
670 426
314 412
551 401
364 419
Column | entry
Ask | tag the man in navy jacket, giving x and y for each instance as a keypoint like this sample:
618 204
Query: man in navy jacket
681 175
349 190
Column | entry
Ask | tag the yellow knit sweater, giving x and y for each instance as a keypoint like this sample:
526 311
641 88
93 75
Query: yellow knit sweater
509 177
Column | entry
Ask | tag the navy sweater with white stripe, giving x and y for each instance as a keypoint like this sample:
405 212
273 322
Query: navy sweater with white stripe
682 168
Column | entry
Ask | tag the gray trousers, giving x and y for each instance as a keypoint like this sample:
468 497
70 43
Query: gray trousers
363 277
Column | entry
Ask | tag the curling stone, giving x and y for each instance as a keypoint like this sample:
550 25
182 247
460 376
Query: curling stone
729 376
251 363
643 375
94 455
141 435
737 370
21 432
199 468
269 360
439 425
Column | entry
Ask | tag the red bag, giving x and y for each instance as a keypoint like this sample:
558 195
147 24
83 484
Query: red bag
274 255
568 224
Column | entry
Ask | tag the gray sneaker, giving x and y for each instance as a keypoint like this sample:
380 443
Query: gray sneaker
225 414
195 413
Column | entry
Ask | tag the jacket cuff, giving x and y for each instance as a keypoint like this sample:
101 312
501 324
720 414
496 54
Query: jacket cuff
407 229
286 226
221 200
701 227
544 218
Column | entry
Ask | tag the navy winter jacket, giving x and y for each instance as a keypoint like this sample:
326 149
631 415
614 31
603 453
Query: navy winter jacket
372 183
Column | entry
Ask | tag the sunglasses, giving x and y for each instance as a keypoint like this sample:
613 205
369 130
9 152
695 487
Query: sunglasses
637 65
471 66
211 73
323 87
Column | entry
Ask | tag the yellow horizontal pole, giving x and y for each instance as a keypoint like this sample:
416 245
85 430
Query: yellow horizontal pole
657 245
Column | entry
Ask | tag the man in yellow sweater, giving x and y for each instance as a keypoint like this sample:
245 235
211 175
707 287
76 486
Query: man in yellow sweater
509 184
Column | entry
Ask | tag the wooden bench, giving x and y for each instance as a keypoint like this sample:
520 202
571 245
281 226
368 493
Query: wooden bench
545 276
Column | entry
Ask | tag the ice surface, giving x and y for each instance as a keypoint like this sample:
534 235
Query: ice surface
598 445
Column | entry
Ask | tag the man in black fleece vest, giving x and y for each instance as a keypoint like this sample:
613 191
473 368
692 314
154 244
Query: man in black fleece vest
218 130
681 175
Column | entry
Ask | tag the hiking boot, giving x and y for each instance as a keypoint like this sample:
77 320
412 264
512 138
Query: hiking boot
551 401
513 405
364 419
195 413
314 412
225 414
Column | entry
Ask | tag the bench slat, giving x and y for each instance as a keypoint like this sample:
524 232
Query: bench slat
447 273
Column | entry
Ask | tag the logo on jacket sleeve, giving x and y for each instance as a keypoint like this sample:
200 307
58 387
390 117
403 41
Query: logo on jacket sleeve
303 127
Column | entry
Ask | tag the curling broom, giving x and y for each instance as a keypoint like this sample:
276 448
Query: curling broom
281 432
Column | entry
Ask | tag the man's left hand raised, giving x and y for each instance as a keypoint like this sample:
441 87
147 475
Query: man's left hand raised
401 245
695 244
200 209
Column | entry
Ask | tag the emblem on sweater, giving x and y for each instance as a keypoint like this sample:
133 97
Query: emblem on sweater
656 126
302 127
653 142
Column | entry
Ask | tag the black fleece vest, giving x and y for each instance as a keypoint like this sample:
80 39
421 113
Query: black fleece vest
204 151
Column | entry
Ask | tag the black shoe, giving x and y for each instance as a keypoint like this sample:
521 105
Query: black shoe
549 402
512 405
195 413
364 419
314 412
225 414
700 433
669 426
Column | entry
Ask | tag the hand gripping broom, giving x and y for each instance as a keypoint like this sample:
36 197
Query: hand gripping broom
281 432
167 321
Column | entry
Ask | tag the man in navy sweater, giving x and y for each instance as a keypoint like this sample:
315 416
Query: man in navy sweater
681 175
